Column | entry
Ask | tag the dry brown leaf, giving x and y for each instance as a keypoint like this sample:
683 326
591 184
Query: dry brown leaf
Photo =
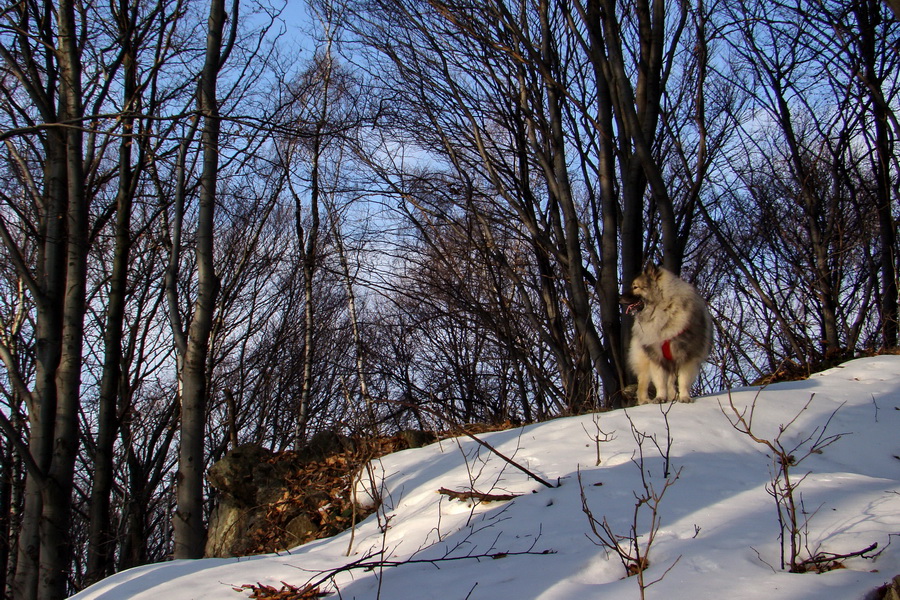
286 592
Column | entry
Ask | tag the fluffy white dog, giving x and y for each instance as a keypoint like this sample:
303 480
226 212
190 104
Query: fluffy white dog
671 337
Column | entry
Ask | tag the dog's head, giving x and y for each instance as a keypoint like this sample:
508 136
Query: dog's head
644 289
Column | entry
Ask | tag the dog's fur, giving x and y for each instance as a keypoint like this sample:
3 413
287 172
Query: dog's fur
671 337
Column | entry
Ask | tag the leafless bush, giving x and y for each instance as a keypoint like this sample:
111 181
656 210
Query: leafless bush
793 518
632 548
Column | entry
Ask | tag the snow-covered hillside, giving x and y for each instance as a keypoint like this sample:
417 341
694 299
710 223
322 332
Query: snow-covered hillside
718 535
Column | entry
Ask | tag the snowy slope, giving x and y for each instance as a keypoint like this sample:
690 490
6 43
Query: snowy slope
718 533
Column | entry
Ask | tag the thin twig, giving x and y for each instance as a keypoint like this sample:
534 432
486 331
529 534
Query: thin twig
366 563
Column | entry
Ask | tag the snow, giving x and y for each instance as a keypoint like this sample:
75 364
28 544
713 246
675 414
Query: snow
718 532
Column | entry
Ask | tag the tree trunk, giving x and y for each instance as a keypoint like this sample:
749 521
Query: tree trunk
637 112
189 530
868 17
611 214
556 173
56 494
7 477
101 542
309 259
48 335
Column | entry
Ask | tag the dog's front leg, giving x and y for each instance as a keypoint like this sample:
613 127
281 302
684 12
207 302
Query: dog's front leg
671 393
663 382
643 388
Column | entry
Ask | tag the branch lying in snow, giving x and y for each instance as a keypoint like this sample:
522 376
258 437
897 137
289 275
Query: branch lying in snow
379 558
371 561
827 561
462 430
504 457
474 495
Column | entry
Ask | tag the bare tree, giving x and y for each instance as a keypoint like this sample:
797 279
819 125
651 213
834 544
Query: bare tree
548 113
190 533
60 223
867 38
815 205
131 27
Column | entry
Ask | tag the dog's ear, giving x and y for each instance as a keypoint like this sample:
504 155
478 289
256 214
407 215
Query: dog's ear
652 270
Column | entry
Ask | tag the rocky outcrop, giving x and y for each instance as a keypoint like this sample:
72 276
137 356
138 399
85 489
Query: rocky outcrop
249 480
269 502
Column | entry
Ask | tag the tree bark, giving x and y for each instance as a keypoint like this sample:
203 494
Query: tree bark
309 258
556 173
56 494
100 559
868 18
189 529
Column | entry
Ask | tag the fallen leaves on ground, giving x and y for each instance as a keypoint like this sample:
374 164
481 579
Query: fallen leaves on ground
286 592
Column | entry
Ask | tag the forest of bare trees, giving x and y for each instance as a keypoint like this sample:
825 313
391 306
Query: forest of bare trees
226 222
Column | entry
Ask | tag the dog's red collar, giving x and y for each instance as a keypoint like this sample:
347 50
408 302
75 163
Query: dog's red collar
667 346
667 350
